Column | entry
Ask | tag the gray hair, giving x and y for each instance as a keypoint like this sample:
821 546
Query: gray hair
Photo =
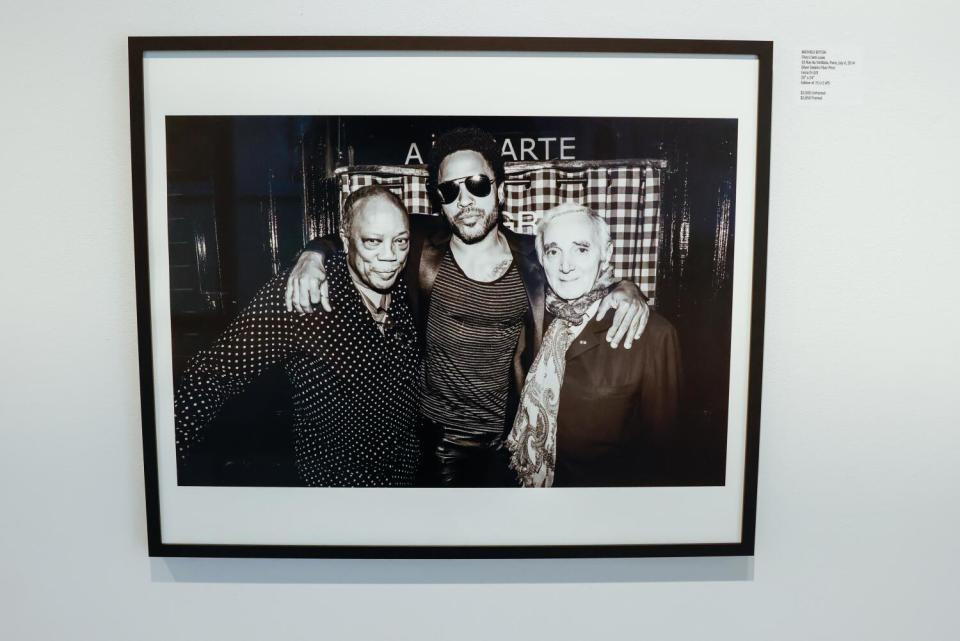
599 224
353 202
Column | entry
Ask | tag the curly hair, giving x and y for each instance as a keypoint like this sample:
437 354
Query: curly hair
465 139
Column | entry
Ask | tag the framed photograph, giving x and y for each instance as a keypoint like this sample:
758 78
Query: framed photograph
450 297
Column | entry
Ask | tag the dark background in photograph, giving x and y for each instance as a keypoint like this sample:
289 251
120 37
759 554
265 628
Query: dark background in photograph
245 193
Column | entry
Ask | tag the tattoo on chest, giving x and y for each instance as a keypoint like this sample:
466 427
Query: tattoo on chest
500 268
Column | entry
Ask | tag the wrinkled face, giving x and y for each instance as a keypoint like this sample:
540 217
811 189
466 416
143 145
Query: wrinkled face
572 255
378 244
472 217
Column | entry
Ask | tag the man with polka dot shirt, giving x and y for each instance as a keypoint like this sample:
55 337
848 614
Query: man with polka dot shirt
477 294
354 371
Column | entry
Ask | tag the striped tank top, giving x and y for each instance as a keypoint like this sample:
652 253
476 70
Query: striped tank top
472 334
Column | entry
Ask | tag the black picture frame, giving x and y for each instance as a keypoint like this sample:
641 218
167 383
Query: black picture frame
141 47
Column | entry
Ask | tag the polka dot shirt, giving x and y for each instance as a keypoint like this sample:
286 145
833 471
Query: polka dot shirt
355 387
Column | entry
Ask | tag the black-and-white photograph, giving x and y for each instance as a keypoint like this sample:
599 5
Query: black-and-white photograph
377 318
395 301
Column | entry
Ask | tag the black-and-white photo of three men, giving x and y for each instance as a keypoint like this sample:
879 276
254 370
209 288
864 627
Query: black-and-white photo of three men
450 301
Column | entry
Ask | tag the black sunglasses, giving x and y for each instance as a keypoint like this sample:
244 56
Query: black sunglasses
479 185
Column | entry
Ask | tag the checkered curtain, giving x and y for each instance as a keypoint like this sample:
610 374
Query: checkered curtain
628 198
412 190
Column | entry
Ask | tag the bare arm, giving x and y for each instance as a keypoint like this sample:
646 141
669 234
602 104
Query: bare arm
631 314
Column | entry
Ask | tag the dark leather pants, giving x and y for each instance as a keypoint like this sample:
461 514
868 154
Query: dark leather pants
478 460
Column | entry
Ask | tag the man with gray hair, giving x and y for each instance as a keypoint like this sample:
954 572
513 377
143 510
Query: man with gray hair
354 370
591 415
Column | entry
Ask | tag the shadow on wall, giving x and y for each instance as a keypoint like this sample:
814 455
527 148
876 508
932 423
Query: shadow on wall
450 571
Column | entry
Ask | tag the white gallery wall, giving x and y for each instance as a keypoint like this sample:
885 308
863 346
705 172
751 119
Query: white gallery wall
859 488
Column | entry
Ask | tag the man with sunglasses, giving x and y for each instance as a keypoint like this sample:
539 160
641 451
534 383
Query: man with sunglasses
477 294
